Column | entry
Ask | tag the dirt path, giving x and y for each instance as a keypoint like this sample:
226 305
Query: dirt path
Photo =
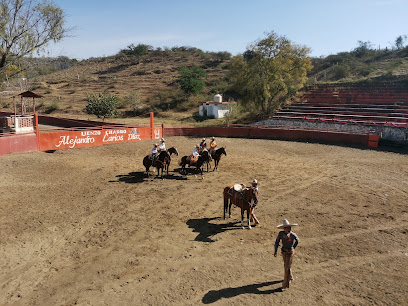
85 227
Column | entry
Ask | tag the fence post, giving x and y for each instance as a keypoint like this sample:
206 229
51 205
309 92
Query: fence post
37 131
151 125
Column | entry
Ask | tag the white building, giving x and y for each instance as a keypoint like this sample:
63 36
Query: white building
216 108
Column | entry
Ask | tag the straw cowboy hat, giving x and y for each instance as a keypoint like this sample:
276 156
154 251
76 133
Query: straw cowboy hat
286 223
163 140
213 137
255 182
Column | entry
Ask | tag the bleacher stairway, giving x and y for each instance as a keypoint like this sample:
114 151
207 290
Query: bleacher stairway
376 107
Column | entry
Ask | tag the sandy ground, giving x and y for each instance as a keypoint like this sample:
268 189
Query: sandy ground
85 227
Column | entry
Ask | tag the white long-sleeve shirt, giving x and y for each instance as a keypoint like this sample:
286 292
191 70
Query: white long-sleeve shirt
162 146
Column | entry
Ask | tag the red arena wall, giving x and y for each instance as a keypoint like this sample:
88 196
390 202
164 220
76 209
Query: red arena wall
18 143
94 137
275 133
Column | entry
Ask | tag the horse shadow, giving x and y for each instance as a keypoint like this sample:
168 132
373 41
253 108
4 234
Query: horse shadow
175 177
130 178
215 295
140 177
189 170
207 230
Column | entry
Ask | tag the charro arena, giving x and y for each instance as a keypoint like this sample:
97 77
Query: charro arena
83 224
86 226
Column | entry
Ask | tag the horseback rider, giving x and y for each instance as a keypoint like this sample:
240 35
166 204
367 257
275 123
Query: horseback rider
255 187
154 154
162 145
203 145
213 145
194 155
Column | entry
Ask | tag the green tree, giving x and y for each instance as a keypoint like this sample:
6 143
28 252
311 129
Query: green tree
27 26
399 41
138 50
364 47
190 79
103 105
270 71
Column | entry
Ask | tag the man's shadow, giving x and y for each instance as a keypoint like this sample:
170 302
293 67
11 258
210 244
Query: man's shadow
207 230
215 295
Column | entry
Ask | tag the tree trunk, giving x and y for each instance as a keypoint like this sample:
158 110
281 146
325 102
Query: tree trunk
3 60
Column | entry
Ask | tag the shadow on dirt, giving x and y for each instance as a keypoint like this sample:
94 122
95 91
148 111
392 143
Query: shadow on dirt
191 171
215 295
131 178
207 230
140 177
175 177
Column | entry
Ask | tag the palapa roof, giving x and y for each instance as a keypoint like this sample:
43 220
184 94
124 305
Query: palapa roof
29 94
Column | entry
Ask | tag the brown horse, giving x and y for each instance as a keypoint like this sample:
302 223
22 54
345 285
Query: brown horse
147 161
216 156
204 157
243 198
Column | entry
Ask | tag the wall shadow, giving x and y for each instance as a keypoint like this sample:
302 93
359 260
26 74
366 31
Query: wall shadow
207 230
215 295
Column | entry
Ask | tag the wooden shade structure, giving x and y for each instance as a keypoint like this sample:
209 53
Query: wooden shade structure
26 94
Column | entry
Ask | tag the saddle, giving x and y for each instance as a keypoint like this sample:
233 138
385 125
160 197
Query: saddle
193 159
236 192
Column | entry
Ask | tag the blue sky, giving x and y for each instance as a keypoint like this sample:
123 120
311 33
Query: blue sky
104 27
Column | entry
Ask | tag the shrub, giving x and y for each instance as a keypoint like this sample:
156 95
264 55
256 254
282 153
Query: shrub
52 108
103 105
138 50
340 72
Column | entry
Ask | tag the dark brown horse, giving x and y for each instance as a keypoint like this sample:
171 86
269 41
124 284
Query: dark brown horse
216 156
172 150
243 198
147 161
204 157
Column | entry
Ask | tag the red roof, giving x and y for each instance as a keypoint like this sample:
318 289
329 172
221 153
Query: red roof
212 102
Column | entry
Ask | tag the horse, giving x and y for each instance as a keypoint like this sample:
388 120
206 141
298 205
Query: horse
243 197
216 156
147 161
207 161
172 150
204 157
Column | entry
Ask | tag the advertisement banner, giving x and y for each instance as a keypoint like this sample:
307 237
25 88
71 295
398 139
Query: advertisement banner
96 137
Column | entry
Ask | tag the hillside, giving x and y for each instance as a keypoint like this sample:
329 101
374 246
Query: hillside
143 83
361 64
146 82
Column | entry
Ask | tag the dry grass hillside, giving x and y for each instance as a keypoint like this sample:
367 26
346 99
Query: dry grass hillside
146 83
150 80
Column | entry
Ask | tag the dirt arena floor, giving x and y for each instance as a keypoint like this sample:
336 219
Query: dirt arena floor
84 227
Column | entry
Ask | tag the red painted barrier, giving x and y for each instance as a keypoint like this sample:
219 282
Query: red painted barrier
67 139
18 143
84 134
272 133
